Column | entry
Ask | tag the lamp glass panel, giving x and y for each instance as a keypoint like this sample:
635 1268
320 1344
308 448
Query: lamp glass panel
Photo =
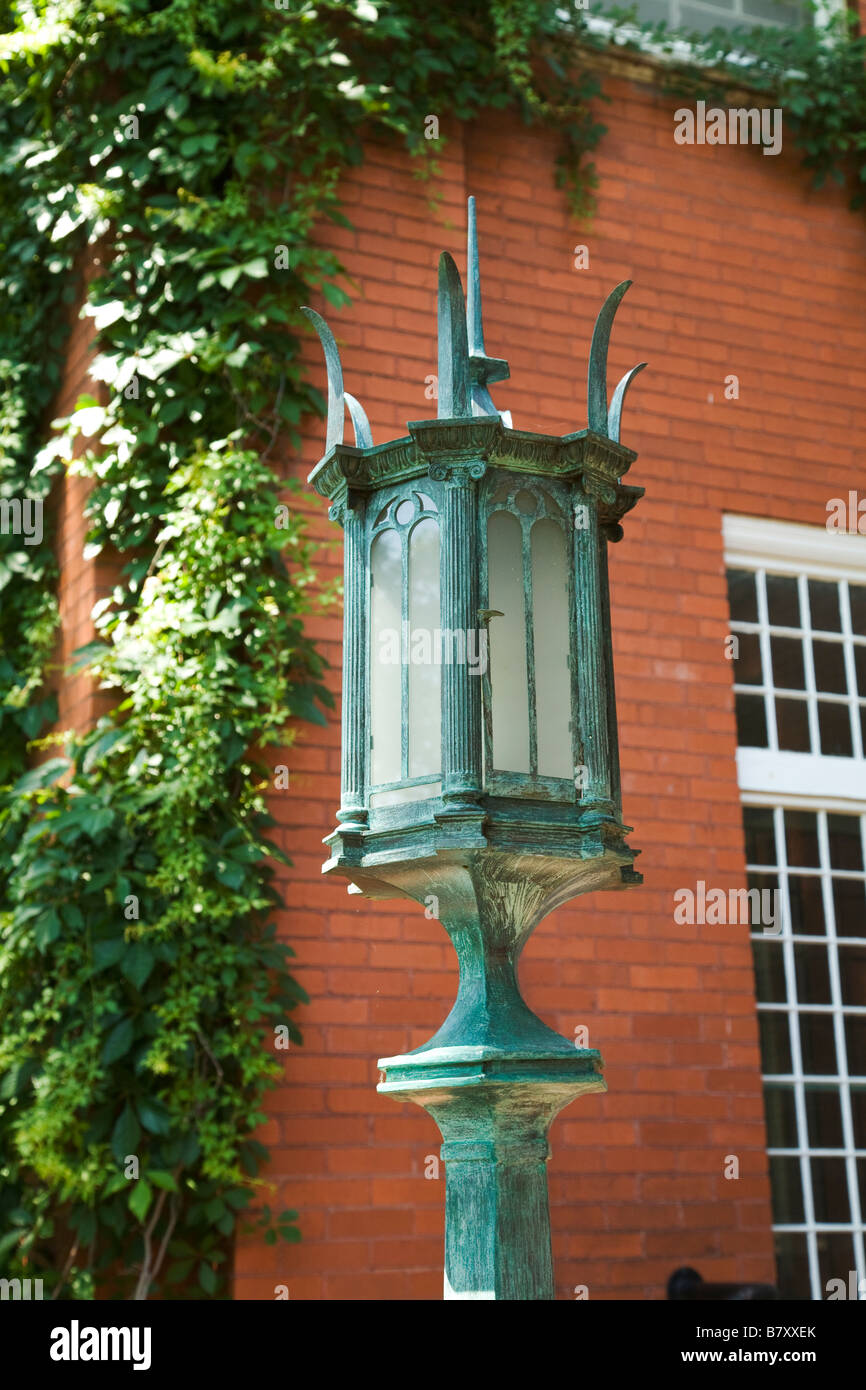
509 682
550 632
402 796
386 600
425 722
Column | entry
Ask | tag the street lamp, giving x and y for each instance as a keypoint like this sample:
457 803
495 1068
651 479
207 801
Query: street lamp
480 769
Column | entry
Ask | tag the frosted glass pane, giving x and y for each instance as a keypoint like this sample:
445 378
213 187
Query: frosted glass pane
550 629
403 796
508 676
386 597
425 738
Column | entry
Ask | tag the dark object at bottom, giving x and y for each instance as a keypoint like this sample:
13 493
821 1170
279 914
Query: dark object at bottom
687 1284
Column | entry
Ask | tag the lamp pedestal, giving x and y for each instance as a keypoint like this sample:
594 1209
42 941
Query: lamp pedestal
494 1076
494 1114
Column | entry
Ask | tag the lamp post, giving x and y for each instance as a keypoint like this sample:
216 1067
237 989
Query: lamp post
480 768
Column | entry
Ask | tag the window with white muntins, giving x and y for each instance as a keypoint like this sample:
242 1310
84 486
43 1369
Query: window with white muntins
798 641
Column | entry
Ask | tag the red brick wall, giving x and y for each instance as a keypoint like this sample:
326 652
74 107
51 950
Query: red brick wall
738 268
81 582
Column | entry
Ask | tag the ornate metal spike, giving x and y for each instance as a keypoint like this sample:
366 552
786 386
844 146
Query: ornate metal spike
454 390
336 409
360 423
483 369
474 326
596 407
614 415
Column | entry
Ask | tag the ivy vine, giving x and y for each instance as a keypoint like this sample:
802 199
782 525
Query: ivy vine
168 161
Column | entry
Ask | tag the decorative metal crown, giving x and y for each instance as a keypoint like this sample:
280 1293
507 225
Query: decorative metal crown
465 370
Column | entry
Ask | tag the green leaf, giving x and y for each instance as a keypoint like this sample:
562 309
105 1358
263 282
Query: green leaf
9 1241
334 294
116 1184
41 776
140 1198
207 1278
106 314
118 1042
46 928
126 1134
137 963
102 746
153 1115
230 874
96 819
179 1271
107 953
164 1180
229 277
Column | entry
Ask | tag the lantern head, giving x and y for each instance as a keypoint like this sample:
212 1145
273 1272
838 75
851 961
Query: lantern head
478 699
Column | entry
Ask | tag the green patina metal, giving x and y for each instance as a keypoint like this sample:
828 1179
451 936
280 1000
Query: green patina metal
496 849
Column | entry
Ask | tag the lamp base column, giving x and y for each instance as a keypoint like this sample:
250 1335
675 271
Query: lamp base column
497 1221
494 1114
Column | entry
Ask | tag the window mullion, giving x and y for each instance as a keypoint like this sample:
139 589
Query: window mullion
839 1037
766 663
809 663
850 671
797 1059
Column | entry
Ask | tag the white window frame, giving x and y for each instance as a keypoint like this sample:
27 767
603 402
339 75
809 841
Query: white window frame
620 35
821 784
778 547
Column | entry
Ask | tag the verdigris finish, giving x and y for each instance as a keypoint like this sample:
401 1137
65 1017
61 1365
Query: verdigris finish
494 849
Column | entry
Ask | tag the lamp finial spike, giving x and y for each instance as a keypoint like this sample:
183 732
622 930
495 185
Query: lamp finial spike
483 369
474 325
597 383
454 391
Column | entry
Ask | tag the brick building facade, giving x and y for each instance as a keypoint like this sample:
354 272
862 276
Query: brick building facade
739 271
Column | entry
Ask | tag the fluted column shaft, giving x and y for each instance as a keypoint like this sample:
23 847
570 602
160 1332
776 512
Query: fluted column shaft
461 690
354 724
591 665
